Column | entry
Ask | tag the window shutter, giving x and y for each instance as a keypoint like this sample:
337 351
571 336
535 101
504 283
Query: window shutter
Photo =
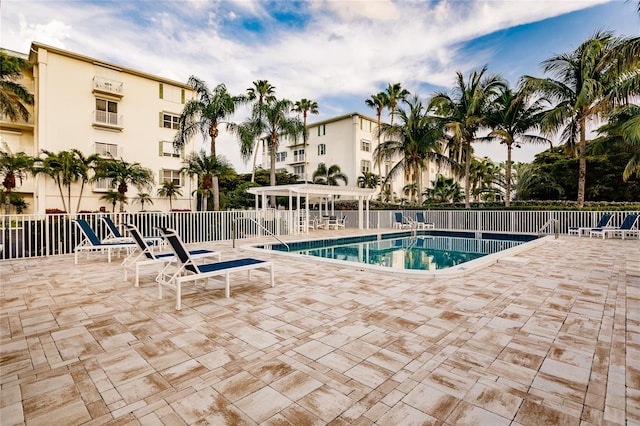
182 152
161 91
161 119
161 177
182 95
160 148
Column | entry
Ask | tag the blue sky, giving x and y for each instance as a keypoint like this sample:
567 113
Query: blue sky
335 52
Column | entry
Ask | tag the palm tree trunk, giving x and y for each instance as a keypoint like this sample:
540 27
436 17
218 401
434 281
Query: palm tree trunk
255 158
582 173
215 189
7 202
64 205
80 198
507 195
272 174
467 176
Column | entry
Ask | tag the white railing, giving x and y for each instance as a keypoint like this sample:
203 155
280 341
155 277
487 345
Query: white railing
107 85
109 118
26 236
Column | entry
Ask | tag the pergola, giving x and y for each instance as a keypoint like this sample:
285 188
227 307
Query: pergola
321 194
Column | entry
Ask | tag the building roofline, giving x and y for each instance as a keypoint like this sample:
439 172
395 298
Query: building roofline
340 118
35 45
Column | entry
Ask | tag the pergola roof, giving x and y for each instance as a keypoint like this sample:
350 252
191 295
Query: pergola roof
304 189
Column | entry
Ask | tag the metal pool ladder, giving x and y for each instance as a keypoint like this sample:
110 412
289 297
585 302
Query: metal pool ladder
556 227
233 231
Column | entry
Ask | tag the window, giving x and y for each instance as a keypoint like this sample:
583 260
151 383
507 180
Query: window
322 130
103 184
365 124
171 93
106 149
365 166
299 171
365 145
170 121
106 111
167 150
298 155
281 156
171 176
322 149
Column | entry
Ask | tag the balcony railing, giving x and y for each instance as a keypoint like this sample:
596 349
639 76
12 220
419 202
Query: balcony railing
109 119
19 123
105 85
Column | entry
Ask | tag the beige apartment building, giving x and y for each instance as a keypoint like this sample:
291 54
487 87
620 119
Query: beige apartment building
98 107
349 141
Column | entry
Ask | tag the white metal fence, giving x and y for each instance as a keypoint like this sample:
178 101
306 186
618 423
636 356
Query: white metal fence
24 236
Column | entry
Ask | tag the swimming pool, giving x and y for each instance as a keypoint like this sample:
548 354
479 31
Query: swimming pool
412 252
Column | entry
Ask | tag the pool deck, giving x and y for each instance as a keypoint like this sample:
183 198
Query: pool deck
546 336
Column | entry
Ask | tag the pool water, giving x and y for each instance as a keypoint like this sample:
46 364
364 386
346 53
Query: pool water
423 250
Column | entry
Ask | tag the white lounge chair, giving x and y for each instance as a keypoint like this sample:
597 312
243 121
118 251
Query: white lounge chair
187 270
400 221
628 227
90 242
421 223
143 255
584 231
116 236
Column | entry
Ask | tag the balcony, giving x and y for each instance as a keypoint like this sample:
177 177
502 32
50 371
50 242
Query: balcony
103 185
19 124
105 86
108 120
298 158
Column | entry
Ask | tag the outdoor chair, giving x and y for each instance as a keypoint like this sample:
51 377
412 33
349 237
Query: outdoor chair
421 223
90 242
400 221
187 270
144 255
336 223
628 227
116 236
584 231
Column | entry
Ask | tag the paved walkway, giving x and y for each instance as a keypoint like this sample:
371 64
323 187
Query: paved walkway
550 337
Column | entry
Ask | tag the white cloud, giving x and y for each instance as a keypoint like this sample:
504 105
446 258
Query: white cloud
347 47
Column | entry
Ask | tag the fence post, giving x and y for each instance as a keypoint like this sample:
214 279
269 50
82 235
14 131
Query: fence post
47 236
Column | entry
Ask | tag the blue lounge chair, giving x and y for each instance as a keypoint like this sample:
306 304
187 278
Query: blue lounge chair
90 242
628 227
422 223
187 270
116 236
584 231
143 255
400 221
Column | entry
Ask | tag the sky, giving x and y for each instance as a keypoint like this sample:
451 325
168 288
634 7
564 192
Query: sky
335 52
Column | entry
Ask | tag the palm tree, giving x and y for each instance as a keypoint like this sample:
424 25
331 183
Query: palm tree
512 116
378 102
14 97
464 113
205 167
171 190
123 174
142 198
444 190
395 93
329 175
587 83
624 127
203 115
416 140
410 190
112 197
277 123
263 92
83 165
65 169
13 167
305 106
368 180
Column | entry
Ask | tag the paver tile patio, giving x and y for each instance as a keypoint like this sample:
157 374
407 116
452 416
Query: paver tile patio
548 336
